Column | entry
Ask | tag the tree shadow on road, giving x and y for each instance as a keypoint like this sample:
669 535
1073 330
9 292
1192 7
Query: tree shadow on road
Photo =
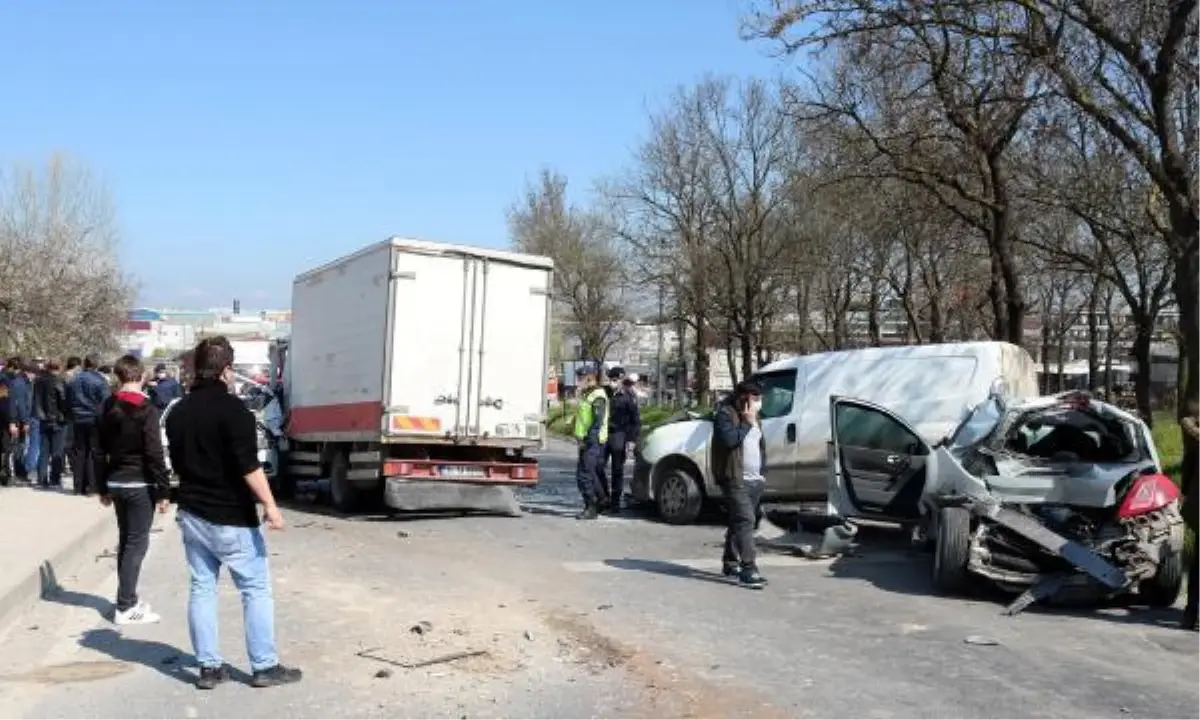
164 659
670 569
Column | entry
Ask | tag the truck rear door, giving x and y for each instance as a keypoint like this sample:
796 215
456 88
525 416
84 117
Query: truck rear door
432 302
509 365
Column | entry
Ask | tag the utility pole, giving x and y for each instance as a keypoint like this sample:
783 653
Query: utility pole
658 363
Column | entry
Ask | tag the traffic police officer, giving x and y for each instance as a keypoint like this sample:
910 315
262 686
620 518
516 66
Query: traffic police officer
591 435
624 426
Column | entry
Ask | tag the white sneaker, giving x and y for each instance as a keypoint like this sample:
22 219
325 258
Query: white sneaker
139 614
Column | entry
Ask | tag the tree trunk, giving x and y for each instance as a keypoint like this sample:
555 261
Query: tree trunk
1062 360
1013 324
937 322
1045 356
1093 329
700 357
1187 297
1143 336
803 319
733 370
747 349
874 332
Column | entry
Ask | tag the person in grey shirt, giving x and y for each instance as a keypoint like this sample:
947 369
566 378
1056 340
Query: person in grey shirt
739 456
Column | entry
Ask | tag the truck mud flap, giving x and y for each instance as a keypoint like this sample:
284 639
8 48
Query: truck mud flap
1073 552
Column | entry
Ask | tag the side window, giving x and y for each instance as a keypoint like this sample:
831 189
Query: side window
779 392
866 428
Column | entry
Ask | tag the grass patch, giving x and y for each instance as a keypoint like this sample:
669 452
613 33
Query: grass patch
1169 441
562 419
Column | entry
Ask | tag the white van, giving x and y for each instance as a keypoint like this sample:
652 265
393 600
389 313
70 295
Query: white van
930 385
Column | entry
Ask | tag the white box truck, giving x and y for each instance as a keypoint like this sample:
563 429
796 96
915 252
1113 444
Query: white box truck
416 375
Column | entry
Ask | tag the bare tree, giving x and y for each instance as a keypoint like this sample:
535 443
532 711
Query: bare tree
1083 173
937 101
62 288
589 284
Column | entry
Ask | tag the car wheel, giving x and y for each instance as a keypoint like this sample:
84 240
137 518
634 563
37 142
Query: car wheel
342 495
951 550
1161 590
679 497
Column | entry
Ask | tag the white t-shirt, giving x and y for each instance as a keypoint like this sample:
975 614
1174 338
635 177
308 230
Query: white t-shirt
752 456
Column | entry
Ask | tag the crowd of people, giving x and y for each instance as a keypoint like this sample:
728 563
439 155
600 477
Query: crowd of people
49 413
111 418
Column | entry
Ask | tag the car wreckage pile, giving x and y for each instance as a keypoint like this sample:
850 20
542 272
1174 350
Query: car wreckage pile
1056 498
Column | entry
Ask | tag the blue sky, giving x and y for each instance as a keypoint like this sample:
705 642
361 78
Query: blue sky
245 141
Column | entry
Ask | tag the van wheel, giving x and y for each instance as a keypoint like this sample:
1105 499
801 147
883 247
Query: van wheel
679 497
342 495
951 550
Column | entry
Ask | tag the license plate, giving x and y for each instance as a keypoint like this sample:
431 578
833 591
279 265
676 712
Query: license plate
461 471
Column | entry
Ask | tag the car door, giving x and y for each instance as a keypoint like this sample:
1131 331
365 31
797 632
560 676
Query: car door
877 462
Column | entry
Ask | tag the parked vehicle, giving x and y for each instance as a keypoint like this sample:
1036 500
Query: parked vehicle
933 385
1051 495
416 374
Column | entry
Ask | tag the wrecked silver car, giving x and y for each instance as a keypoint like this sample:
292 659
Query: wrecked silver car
1048 497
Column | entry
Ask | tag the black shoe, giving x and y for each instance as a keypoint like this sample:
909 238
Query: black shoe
211 677
278 675
752 580
589 513
731 569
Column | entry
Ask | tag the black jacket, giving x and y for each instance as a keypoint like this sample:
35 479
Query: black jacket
129 431
51 405
213 441
729 431
625 417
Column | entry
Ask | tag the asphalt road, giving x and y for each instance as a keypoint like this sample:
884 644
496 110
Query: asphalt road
618 617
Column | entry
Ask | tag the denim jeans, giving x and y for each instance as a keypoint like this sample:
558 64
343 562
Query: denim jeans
33 445
50 459
244 551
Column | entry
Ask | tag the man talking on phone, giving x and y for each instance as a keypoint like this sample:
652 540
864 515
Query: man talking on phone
739 456
214 449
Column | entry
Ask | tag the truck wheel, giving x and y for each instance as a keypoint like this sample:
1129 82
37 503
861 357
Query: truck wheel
342 495
1162 590
951 550
679 497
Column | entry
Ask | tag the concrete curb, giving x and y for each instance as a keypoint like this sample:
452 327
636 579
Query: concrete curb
43 581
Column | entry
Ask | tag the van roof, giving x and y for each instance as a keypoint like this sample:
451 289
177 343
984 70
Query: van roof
901 351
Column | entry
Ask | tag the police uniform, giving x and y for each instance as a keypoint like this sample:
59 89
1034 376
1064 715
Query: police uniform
591 435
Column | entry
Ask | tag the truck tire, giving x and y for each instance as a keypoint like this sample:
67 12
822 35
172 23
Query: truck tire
678 497
1161 590
343 496
951 550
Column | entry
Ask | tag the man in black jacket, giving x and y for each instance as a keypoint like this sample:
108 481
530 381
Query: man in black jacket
213 444
87 392
739 460
52 409
624 427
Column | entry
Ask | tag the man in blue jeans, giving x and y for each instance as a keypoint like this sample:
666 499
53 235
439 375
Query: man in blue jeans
214 450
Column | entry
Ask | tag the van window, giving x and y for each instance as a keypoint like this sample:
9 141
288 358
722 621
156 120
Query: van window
864 427
779 392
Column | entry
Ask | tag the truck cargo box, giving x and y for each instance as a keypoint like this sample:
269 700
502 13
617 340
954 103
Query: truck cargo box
409 341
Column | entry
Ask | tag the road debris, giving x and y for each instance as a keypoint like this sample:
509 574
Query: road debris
107 555
980 640
421 628
528 635
369 654
605 606
401 534
383 673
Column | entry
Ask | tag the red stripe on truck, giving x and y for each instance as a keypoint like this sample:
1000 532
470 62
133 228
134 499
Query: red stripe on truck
344 417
